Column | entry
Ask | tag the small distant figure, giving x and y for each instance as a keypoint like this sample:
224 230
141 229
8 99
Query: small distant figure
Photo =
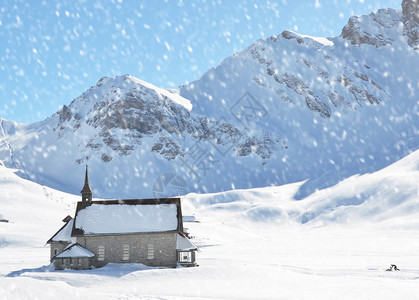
393 268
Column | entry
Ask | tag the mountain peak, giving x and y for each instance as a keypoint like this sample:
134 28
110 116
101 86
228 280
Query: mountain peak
114 89
379 28
306 39
111 87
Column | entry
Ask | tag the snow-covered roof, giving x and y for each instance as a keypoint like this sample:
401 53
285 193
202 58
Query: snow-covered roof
64 234
111 217
183 243
74 251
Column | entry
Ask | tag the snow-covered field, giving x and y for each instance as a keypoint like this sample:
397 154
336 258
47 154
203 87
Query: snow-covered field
254 244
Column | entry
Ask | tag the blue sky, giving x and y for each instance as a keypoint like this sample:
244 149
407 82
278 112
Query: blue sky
52 51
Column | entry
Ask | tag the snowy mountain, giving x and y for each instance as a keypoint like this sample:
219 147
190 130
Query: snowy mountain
286 109
344 105
132 133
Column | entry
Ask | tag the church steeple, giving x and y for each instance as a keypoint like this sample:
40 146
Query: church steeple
86 192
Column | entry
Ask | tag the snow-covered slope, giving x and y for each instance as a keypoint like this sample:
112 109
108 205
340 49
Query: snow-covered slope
33 213
254 244
389 196
288 108
24 202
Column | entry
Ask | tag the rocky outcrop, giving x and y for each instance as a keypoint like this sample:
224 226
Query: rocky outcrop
126 113
410 10
293 87
289 35
168 148
262 146
299 87
372 29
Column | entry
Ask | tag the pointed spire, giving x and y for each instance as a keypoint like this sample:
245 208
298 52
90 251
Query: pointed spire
86 192
86 187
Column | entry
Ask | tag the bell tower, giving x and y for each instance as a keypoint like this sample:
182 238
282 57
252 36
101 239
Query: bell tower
86 192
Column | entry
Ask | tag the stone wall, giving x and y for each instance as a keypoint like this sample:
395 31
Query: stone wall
82 263
59 246
164 245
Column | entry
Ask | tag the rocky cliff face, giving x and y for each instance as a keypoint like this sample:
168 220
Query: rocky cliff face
128 111
378 27
374 29
410 10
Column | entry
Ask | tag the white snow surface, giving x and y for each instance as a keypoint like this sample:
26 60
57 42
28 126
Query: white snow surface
255 244
64 235
173 96
323 41
122 218
74 250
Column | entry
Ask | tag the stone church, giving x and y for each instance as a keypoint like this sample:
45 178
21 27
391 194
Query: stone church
146 231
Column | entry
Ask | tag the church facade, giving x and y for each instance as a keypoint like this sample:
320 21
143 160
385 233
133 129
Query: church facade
146 231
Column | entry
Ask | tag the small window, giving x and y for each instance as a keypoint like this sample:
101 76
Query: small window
55 251
150 251
101 253
125 252
185 257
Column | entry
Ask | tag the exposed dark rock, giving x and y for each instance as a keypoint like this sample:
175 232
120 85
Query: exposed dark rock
291 35
168 148
357 33
320 71
359 92
312 100
65 114
106 157
410 9
338 100
367 79
80 161
262 146
115 144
